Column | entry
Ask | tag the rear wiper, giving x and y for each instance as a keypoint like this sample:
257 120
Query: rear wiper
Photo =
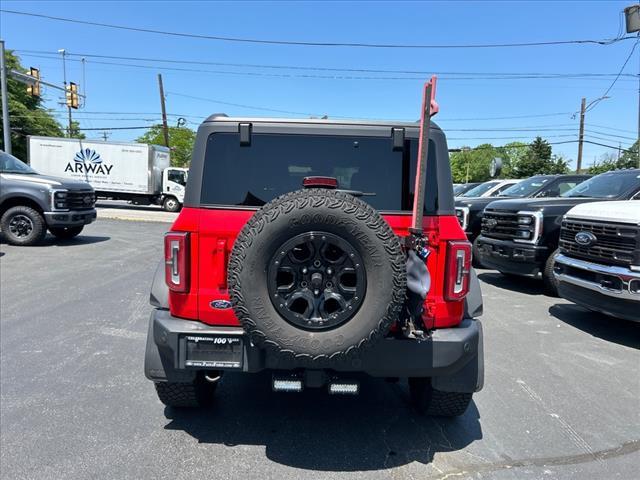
357 193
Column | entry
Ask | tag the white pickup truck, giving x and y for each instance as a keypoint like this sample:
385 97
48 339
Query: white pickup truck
599 262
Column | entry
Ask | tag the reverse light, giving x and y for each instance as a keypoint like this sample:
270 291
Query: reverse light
457 270
176 259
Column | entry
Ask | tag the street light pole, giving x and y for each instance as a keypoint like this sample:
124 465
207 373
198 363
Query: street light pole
6 129
63 52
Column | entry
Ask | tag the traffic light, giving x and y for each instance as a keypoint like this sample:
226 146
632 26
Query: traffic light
72 95
34 90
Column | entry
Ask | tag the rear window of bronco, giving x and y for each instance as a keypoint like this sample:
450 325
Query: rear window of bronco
274 164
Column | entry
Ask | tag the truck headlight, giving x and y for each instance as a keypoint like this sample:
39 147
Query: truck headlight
462 213
529 227
59 200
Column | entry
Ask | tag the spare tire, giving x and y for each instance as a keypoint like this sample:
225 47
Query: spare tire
317 275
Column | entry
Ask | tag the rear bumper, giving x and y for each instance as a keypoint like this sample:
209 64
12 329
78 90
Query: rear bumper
511 257
70 218
452 357
602 288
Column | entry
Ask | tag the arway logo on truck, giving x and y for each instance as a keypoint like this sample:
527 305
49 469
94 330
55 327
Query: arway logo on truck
88 161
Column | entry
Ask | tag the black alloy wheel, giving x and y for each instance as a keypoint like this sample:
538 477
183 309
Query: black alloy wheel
317 280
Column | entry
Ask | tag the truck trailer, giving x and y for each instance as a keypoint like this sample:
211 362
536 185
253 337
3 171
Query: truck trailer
135 172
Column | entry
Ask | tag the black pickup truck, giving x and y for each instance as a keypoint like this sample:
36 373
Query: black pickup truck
469 210
521 236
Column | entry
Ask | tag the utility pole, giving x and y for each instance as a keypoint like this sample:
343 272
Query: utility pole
6 129
583 107
165 127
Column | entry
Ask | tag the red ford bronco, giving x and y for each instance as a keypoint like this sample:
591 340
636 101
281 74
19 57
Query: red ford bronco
289 255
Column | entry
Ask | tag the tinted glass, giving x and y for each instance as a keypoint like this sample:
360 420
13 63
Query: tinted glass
525 187
10 164
502 189
607 185
480 189
177 176
275 164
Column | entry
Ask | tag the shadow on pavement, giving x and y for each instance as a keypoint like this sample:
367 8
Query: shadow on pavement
50 241
516 283
315 431
611 329
128 206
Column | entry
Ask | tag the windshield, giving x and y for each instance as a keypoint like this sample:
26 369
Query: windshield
177 176
606 185
480 189
10 164
525 188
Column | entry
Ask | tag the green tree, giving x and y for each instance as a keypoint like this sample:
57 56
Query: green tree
26 114
513 155
475 161
629 159
610 161
181 142
537 159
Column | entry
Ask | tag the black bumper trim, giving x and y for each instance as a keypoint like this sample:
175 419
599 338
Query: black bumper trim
70 218
599 302
451 356
511 257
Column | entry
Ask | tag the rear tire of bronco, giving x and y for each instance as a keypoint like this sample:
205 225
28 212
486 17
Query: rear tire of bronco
66 233
548 278
23 226
429 401
198 393
316 276
475 257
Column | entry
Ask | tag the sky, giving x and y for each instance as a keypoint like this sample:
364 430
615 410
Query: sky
472 107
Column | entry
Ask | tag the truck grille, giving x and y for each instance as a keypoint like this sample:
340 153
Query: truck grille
77 200
616 244
499 224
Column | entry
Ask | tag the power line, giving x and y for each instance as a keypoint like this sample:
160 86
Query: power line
633 49
456 76
526 145
316 44
324 69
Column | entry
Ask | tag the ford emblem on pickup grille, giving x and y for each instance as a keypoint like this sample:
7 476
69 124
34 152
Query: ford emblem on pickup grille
585 239
220 304
491 223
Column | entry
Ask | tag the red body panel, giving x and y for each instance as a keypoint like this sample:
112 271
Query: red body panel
213 233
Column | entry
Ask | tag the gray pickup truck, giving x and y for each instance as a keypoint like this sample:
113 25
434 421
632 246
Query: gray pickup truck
31 204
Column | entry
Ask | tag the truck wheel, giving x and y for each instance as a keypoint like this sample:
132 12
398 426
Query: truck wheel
429 401
66 233
198 393
23 225
317 275
548 278
171 204
475 257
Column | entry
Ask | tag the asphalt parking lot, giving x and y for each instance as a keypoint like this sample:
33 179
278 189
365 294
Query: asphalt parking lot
561 396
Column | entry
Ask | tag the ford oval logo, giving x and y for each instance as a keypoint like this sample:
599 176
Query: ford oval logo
220 304
586 239
491 223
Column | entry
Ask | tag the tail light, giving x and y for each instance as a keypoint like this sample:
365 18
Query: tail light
457 270
176 259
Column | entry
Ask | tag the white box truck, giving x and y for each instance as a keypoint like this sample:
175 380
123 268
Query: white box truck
136 172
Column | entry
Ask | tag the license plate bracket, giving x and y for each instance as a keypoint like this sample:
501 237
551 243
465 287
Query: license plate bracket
212 351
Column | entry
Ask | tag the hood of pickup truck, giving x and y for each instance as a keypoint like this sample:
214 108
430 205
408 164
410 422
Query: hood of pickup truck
621 211
474 204
542 204
46 180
